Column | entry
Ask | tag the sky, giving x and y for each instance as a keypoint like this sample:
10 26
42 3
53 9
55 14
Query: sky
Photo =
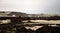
31 6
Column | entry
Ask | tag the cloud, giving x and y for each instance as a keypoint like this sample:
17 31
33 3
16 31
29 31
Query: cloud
31 6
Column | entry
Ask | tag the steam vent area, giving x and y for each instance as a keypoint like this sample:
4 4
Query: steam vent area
18 22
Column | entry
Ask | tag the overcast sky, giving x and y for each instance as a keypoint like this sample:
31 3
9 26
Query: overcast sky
31 6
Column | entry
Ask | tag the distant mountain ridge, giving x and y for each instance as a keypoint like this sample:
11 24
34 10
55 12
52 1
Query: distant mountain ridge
24 14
